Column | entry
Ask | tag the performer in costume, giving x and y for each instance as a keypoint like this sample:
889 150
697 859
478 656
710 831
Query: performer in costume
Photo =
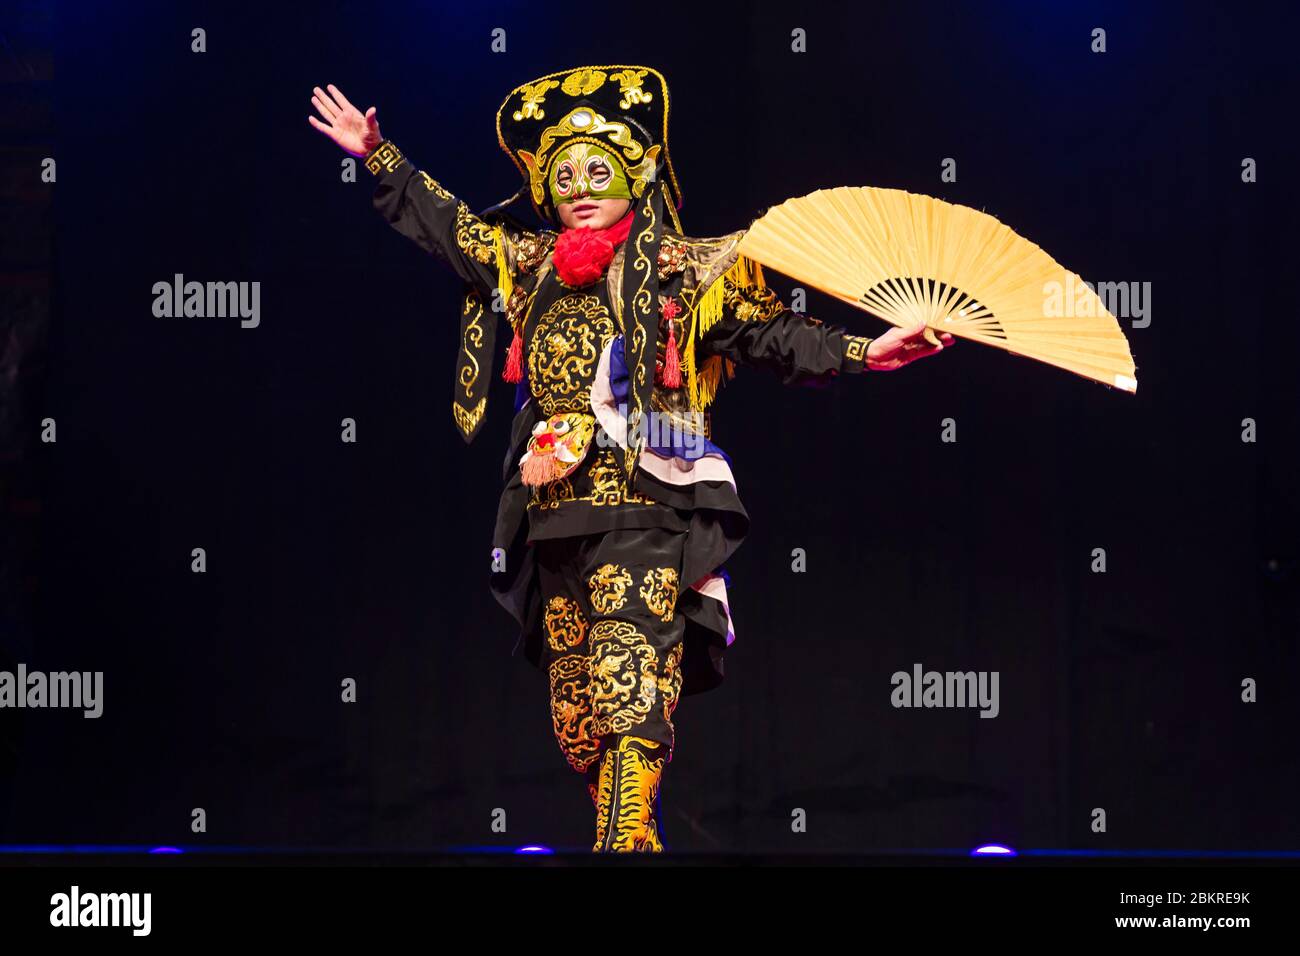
618 511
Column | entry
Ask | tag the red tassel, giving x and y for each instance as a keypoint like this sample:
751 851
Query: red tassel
514 370
538 470
672 367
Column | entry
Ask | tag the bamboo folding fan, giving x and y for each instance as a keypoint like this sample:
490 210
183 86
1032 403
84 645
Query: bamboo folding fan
912 259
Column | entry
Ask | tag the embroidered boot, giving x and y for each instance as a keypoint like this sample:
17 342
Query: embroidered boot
627 795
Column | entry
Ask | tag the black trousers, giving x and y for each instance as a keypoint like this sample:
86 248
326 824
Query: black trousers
613 639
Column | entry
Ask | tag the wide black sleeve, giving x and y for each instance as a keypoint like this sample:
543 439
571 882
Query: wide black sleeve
756 329
418 207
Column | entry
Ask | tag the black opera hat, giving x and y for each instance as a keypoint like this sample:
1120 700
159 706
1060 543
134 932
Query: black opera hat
623 109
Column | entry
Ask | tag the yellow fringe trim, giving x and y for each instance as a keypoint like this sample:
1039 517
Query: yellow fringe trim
504 282
703 381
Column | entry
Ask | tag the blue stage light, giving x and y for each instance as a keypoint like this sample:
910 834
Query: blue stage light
993 849
533 848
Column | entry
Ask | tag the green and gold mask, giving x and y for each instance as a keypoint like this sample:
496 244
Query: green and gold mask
586 171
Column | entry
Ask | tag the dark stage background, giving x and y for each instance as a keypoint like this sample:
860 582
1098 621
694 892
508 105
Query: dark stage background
328 560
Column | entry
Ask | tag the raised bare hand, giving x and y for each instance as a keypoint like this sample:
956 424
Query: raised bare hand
355 133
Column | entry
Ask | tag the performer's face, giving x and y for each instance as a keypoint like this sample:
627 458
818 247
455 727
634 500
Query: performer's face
593 213
588 188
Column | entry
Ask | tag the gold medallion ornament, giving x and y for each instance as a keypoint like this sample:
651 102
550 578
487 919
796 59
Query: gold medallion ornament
624 676
609 588
564 351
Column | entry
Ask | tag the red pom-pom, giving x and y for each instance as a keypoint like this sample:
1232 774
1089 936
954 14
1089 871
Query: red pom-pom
581 256
538 470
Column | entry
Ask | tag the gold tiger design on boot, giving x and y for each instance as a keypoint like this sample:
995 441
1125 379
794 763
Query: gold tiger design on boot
626 793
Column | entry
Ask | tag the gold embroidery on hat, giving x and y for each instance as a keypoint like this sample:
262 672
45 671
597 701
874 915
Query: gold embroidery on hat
629 84
531 108
583 82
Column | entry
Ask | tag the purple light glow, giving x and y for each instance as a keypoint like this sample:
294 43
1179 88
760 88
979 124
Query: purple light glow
534 849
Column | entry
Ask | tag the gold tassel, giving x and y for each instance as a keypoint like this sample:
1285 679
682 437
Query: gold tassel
504 282
710 380
706 311
688 367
